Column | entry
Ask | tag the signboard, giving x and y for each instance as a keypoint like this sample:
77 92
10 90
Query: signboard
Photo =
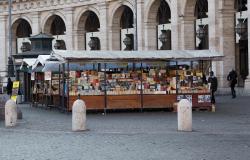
15 88
47 76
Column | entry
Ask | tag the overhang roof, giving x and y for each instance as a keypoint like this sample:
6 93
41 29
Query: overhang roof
135 56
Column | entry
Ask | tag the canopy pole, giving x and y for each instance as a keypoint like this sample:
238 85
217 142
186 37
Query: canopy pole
141 91
176 85
67 83
105 89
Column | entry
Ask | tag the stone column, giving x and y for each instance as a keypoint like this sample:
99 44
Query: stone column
104 39
36 27
150 36
226 33
114 38
175 27
79 37
69 28
3 45
213 25
213 29
140 24
187 29
247 81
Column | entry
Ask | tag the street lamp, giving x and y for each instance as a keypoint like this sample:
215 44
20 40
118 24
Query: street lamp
128 42
201 13
200 32
241 27
10 60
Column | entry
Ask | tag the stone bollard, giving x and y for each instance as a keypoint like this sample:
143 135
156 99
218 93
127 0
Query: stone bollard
10 113
184 115
79 116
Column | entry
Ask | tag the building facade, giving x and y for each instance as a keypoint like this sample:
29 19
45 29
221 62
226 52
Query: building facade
187 24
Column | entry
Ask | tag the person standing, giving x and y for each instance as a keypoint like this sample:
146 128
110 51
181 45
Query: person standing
213 86
232 78
9 87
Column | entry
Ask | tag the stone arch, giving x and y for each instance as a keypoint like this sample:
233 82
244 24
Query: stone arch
115 23
152 13
47 21
152 9
87 21
115 9
54 25
189 24
24 17
189 8
80 14
21 28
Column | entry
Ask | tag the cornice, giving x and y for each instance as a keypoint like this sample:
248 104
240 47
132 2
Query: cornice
26 6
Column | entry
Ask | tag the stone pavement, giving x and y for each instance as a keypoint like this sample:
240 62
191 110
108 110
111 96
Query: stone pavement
46 135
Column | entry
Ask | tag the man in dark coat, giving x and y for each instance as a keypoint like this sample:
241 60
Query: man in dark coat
213 87
232 78
9 86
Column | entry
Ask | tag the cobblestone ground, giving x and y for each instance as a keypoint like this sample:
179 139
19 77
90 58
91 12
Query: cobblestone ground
46 135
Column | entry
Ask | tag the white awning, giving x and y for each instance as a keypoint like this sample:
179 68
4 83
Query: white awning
29 61
138 55
40 59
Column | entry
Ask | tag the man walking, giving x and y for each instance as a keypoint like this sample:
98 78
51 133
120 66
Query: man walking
213 86
232 78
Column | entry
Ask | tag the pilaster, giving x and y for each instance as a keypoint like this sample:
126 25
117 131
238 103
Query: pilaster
188 33
213 25
103 8
69 28
36 27
140 26
3 45
175 27
150 36
226 45
247 81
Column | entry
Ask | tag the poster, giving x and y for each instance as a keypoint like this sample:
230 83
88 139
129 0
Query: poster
188 97
47 76
72 74
204 98
15 89
32 76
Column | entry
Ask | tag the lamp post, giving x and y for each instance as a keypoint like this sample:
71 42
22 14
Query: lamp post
241 27
163 38
200 32
10 60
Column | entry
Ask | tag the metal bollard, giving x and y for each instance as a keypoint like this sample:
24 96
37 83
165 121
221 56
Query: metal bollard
79 116
10 113
184 115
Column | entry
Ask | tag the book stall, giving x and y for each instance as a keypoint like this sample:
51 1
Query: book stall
45 84
135 79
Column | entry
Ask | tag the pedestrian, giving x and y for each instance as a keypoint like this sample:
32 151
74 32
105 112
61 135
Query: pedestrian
232 78
213 86
9 87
